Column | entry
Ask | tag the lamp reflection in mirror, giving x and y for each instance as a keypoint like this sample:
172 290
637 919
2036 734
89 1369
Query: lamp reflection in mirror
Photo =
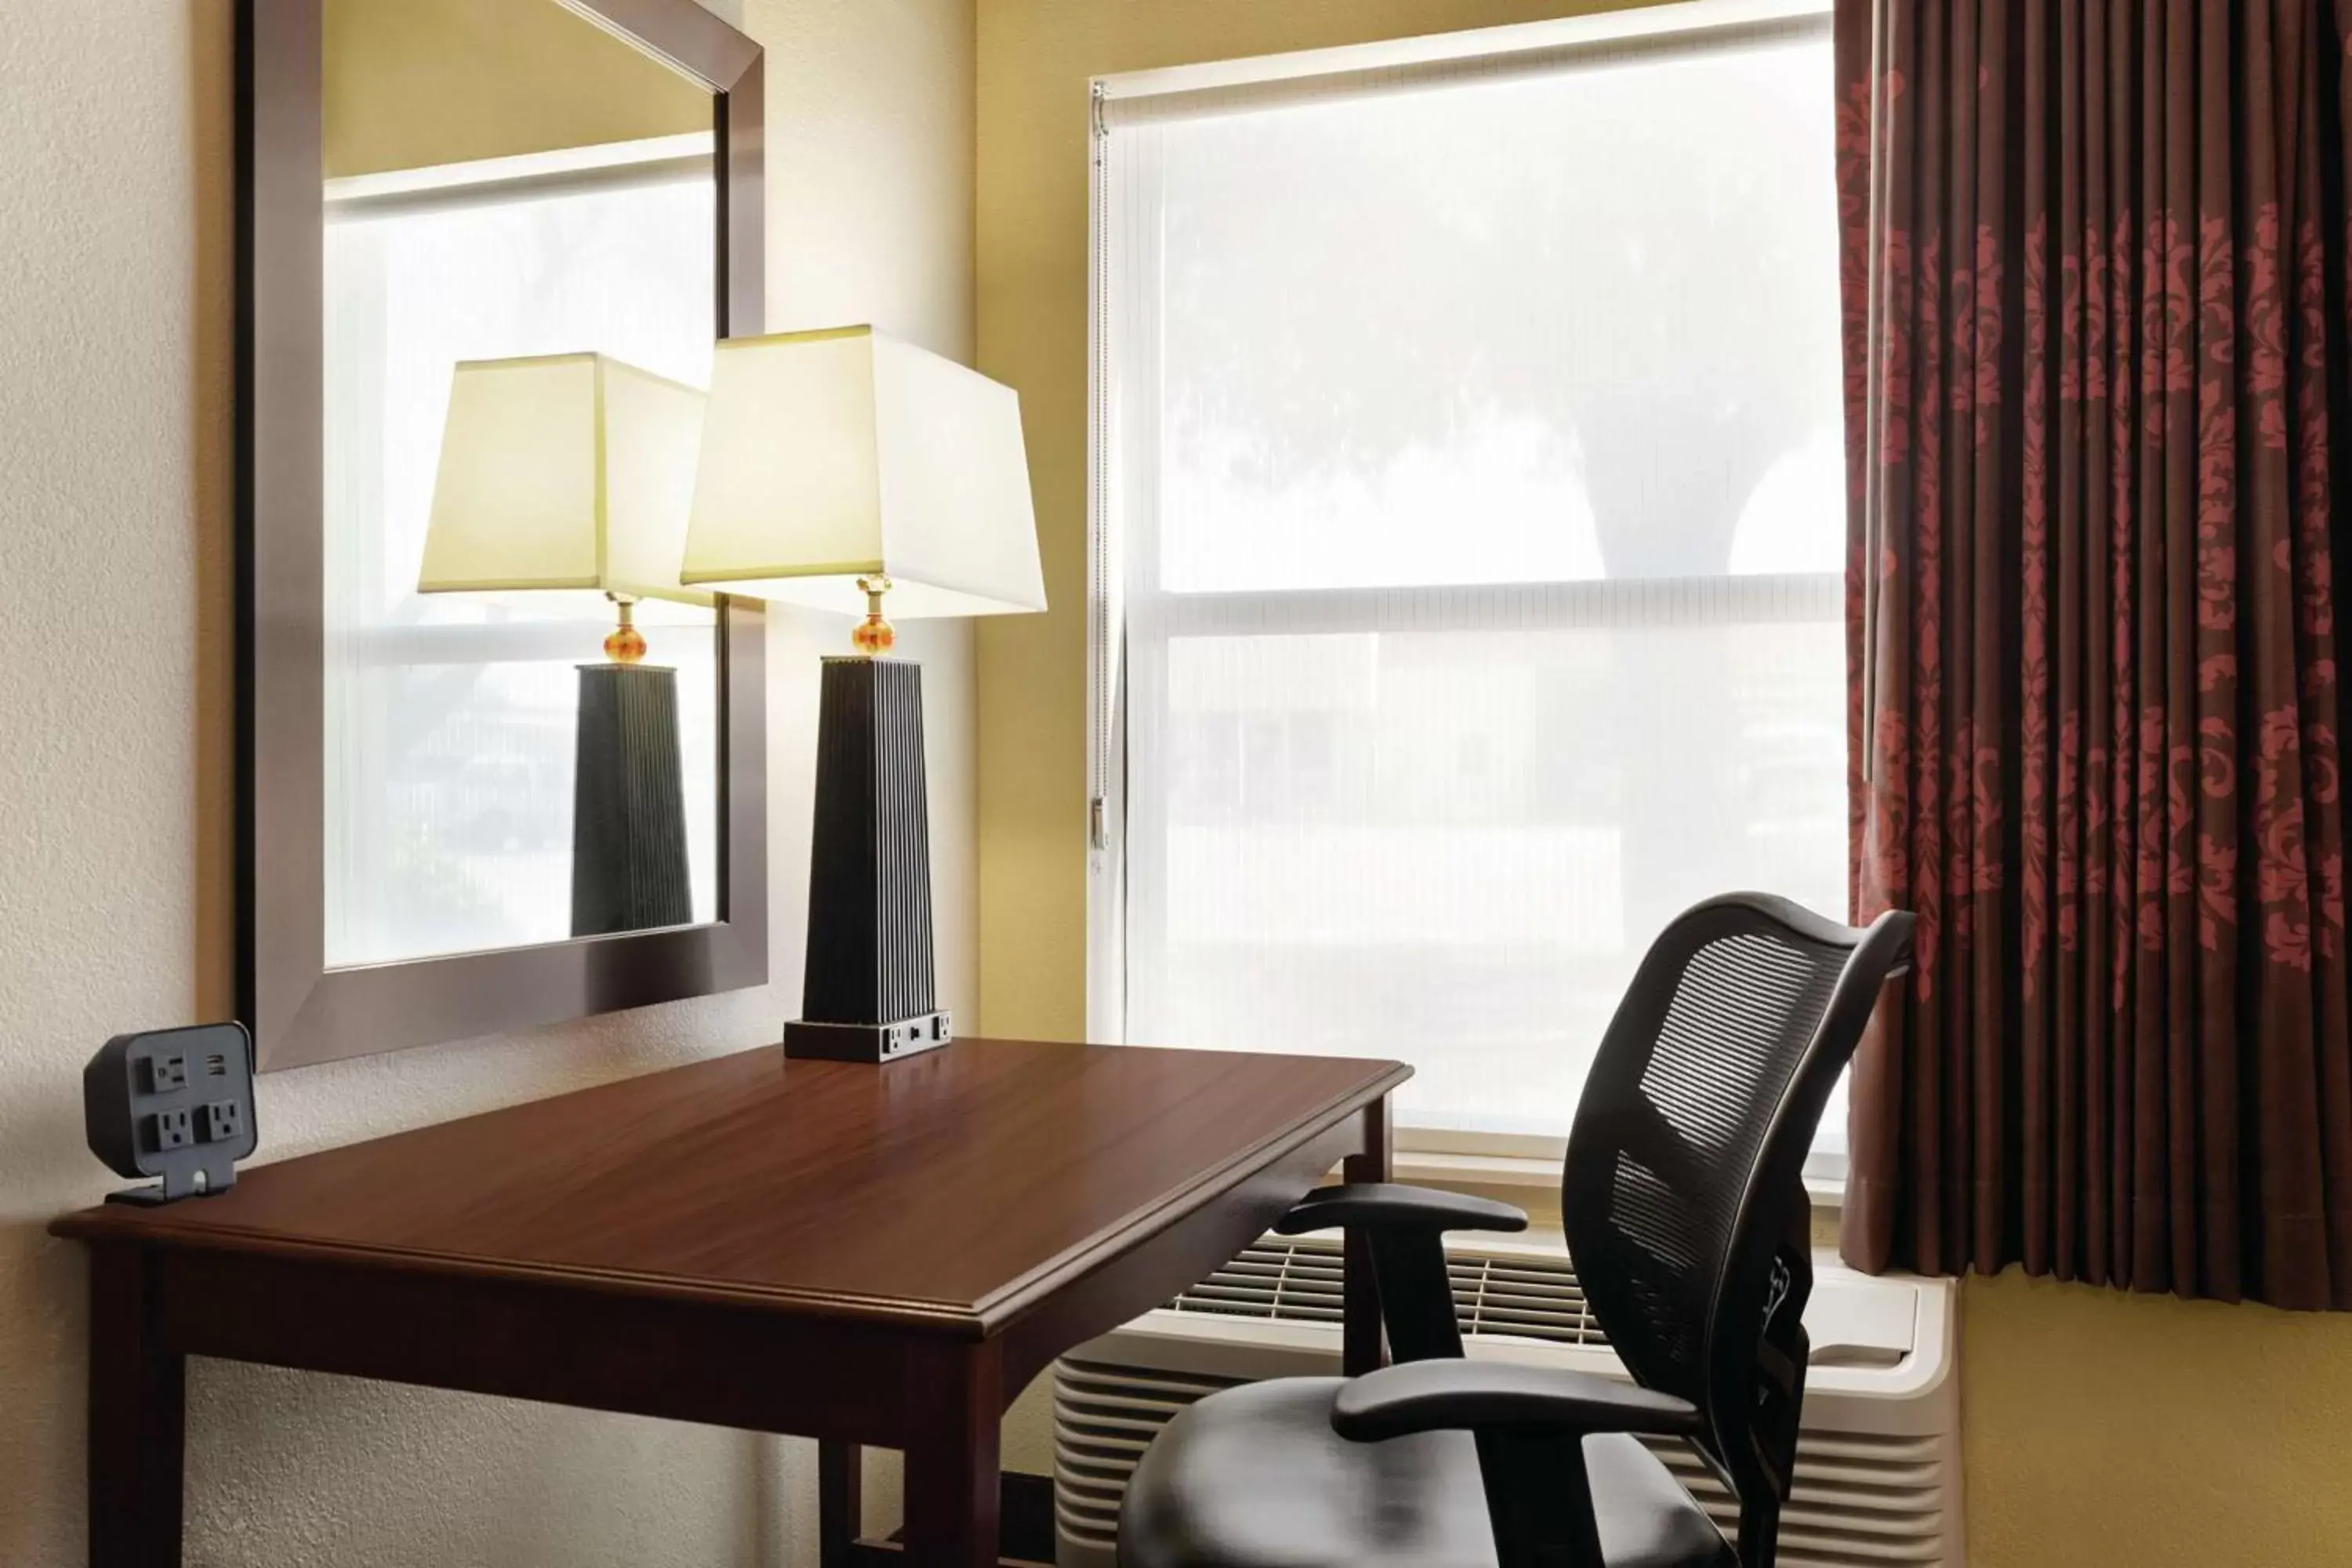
841 470
576 471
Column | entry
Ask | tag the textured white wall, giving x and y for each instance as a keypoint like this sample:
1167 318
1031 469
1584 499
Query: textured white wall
115 778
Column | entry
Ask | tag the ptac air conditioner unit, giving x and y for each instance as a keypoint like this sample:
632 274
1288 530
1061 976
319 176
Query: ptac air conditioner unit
1878 1460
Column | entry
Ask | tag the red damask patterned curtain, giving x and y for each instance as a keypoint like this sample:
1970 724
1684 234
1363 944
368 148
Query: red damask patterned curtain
2095 288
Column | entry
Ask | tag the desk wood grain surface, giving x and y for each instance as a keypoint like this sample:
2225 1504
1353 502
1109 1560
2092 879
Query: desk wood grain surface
947 1191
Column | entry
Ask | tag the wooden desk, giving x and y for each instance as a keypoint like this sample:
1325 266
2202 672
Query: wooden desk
861 1254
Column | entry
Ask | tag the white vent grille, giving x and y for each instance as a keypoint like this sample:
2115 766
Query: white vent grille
1495 1296
1860 1501
1104 1417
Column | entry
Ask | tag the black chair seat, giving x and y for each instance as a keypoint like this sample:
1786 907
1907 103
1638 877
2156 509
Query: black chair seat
1254 1478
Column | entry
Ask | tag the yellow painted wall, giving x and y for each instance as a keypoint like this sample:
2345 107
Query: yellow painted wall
2101 1428
408 84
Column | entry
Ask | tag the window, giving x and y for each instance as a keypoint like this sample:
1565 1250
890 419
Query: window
1469 507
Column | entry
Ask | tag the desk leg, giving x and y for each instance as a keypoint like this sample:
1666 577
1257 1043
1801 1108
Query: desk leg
955 1405
137 1417
840 1502
1361 1348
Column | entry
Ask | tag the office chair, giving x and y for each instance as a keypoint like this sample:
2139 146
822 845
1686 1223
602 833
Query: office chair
1685 1212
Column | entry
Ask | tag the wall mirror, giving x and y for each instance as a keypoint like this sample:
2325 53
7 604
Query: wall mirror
486 246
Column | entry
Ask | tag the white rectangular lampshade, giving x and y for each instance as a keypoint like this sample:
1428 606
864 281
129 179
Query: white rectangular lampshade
563 471
833 455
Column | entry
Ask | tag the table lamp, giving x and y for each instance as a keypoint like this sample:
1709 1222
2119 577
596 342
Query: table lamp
575 471
847 470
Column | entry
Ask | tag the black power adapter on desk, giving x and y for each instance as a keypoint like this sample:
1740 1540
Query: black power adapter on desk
176 1104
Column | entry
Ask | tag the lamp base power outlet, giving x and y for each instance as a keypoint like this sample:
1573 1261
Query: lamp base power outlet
808 1041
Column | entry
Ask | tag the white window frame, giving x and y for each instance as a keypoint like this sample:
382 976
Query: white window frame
1139 97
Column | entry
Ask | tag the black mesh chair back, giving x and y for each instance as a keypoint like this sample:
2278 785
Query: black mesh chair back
1683 1195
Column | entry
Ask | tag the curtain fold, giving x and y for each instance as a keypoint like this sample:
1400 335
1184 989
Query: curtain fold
2094 278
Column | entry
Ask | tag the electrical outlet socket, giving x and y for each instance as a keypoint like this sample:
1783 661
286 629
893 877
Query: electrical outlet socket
167 1073
174 1129
222 1121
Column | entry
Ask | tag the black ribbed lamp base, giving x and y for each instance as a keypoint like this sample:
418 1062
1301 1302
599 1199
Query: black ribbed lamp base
628 805
867 993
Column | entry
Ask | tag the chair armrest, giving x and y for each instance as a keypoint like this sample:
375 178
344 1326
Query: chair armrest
1530 1423
1485 1396
1378 1203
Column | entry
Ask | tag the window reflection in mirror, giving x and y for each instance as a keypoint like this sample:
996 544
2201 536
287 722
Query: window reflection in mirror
503 178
